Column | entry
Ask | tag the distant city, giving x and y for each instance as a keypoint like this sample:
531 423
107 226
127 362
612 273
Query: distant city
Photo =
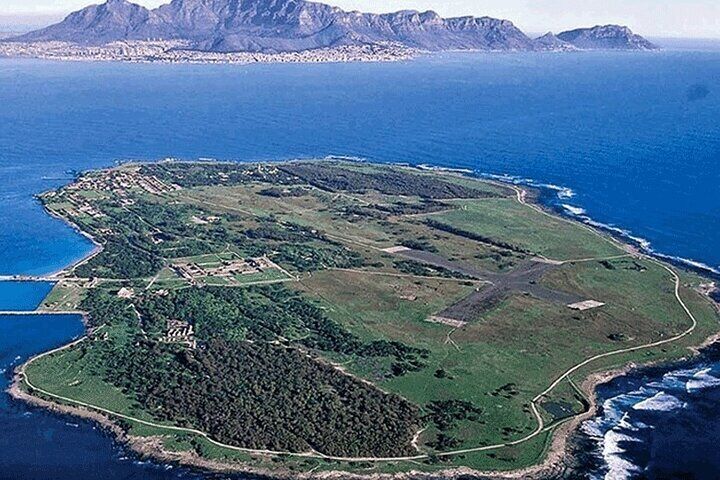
198 31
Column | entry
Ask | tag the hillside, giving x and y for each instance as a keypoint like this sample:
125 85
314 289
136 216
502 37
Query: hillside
295 25
606 37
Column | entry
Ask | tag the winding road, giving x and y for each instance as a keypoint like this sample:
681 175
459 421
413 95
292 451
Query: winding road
541 427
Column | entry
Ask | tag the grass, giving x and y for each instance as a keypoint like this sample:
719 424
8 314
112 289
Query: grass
639 292
513 352
64 296
507 220
270 275
499 361
77 373
385 306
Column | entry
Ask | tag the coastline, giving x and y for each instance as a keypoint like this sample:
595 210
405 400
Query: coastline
97 247
556 456
553 199
175 52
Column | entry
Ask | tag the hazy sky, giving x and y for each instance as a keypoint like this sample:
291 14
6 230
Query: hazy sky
669 18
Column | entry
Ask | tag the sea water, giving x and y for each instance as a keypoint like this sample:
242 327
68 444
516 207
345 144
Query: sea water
622 139
657 424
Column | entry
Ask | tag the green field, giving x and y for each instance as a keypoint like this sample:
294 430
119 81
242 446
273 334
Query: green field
508 221
423 314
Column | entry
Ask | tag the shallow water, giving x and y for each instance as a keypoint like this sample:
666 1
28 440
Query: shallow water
617 135
23 296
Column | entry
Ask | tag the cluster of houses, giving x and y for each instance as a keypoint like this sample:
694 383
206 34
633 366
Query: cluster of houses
121 180
227 268
181 333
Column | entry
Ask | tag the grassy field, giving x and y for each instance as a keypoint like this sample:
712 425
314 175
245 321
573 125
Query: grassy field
501 361
77 374
64 296
508 221
473 383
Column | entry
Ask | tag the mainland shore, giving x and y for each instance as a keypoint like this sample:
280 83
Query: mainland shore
179 52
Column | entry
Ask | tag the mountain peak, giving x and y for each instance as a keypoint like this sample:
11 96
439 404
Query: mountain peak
606 37
295 25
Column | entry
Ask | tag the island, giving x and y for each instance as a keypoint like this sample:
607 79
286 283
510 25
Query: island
300 319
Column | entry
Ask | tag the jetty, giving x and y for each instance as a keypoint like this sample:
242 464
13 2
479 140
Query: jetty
29 278
23 313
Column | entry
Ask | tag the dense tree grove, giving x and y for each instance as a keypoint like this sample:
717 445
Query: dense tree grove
278 192
416 268
357 213
246 388
106 309
419 244
476 236
120 259
260 395
406 208
390 182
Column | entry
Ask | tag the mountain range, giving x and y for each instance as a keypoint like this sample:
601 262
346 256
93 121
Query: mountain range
296 25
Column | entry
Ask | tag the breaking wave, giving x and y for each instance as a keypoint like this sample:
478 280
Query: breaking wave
349 158
435 168
618 468
624 430
576 211
661 402
701 381
563 193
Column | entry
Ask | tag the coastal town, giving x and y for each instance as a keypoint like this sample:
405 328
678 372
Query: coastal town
164 51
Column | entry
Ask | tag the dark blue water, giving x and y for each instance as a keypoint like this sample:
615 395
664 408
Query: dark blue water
626 136
23 296
659 425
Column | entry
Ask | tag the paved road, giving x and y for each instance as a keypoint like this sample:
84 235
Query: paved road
520 280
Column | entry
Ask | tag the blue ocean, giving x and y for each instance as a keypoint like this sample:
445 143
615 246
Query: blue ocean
630 141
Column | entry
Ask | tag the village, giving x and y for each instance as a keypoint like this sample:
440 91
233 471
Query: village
120 181
229 270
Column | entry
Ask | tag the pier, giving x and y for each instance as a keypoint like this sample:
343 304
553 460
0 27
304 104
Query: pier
28 278
27 313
